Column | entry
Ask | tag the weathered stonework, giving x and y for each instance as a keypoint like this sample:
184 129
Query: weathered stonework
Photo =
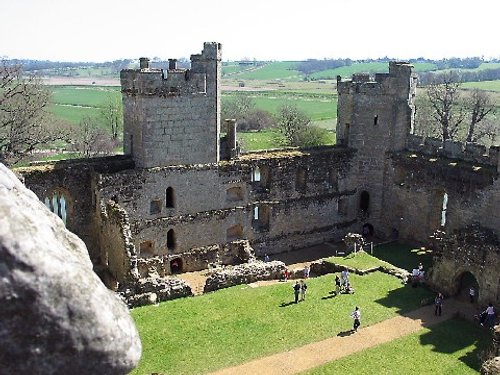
180 199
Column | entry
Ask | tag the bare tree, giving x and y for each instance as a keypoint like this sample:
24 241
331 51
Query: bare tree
91 141
480 105
237 107
448 109
291 121
24 121
112 115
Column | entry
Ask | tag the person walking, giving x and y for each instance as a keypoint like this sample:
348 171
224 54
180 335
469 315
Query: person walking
356 315
303 290
286 274
438 303
344 275
307 271
296 291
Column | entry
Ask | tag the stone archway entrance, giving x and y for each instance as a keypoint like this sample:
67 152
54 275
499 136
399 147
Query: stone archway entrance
463 283
176 265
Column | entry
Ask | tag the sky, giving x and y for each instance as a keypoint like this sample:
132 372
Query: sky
105 30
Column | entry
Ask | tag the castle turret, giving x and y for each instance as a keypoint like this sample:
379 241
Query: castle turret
172 116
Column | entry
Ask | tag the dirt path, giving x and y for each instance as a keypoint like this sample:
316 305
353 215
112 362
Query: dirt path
346 343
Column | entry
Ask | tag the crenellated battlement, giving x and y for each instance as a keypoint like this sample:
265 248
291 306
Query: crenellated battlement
172 81
471 152
400 76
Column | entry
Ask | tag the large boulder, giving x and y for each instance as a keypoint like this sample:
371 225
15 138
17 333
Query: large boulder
56 316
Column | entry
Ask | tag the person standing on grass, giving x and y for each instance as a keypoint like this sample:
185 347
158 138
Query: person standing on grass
438 303
337 285
303 290
356 315
296 291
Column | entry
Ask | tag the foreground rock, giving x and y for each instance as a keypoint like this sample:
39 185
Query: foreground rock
56 316
244 274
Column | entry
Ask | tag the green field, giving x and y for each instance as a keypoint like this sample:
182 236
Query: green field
484 85
230 326
281 70
452 347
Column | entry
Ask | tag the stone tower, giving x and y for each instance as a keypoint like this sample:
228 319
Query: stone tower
375 117
172 116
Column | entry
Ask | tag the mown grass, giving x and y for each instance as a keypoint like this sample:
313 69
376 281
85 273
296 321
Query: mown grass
451 347
89 96
230 326
73 113
404 256
359 260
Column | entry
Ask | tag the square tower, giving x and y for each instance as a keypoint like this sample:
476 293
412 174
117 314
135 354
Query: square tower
172 116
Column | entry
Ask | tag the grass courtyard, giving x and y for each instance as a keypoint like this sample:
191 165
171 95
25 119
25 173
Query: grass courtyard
228 327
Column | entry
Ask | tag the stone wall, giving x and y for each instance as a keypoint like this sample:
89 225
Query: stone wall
473 250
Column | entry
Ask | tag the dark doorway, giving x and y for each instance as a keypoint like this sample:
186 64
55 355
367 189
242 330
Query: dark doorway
176 265
364 201
367 230
465 282
171 239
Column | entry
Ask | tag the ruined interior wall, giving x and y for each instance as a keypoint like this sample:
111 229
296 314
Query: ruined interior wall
298 192
117 251
415 188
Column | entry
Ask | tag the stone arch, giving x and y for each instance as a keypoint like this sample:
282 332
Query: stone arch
176 265
234 194
60 202
367 230
462 281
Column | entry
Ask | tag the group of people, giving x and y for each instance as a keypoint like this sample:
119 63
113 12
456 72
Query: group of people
299 291
417 275
342 284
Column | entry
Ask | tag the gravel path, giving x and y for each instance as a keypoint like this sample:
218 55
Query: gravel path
345 343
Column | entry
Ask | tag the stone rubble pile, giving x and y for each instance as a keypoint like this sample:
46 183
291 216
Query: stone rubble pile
244 274
153 290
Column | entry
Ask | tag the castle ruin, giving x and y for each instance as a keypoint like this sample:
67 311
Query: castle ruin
183 198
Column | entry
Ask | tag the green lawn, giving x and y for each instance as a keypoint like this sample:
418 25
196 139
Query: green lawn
451 347
230 326
403 256
360 260
72 113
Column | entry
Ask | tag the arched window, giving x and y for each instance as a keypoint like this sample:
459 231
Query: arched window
171 239
58 205
444 209
364 201
256 175
234 194
169 197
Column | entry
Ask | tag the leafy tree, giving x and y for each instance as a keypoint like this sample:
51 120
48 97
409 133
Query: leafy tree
237 107
311 136
291 122
25 124
256 119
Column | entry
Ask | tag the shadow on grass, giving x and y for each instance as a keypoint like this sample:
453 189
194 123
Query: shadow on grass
285 304
404 256
454 335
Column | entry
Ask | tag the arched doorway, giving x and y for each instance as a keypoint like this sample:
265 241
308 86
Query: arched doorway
364 201
463 283
367 230
176 265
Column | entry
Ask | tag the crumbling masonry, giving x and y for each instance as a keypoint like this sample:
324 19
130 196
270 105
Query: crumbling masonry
182 198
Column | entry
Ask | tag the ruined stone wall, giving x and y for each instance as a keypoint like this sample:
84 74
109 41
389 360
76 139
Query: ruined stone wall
297 194
415 189
73 180
117 252
173 116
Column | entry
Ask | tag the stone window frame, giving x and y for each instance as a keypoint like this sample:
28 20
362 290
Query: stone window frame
169 197
171 241
155 206
53 197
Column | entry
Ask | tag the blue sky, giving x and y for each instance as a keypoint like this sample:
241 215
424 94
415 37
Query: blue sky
105 30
